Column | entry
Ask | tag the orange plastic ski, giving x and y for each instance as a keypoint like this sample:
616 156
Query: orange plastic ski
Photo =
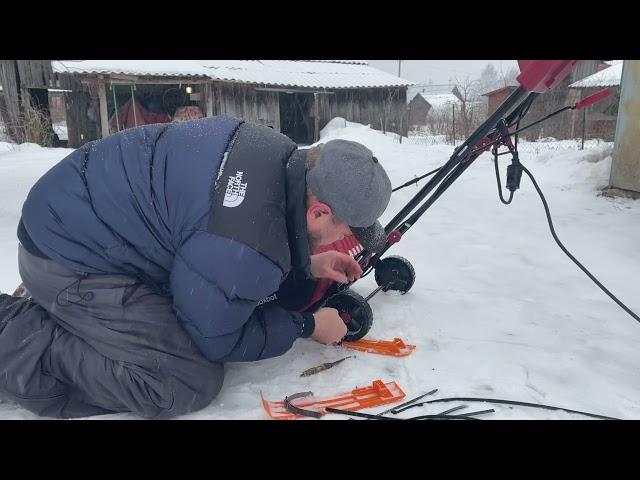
379 393
395 347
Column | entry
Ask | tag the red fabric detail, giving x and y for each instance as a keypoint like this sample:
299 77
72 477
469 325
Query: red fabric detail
142 117
349 245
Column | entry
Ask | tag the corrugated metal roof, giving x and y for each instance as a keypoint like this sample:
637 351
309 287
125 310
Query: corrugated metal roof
163 68
302 74
608 77
278 73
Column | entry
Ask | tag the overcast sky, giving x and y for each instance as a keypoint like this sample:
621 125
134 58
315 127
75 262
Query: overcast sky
439 71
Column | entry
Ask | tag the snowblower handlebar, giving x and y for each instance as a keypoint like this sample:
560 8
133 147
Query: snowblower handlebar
591 99
536 77
491 131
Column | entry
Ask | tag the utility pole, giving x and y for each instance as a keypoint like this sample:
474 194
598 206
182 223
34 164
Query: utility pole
453 116
399 69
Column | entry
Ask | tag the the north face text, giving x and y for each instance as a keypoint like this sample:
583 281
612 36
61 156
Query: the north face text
234 194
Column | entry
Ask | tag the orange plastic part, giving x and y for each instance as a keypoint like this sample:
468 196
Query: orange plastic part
395 347
379 393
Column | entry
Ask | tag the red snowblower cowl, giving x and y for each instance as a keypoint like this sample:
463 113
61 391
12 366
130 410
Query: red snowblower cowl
542 75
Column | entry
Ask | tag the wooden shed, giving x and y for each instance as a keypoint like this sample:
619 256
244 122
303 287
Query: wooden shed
430 100
297 98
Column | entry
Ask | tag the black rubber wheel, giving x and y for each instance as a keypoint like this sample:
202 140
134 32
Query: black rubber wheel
395 273
355 311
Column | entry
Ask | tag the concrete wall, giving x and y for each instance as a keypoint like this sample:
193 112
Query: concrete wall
625 169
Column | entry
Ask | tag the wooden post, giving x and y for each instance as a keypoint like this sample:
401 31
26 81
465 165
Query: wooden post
112 87
133 103
104 116
209 93
316 118
584 126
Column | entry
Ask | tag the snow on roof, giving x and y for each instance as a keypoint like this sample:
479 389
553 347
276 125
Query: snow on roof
281 73
131 67
427 89
302 74
506 87
605 78
439 100
356 62
436 89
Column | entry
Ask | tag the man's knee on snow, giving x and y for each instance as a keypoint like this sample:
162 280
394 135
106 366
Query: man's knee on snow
158 398
188 398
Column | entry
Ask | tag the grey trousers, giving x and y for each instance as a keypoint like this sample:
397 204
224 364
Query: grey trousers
99 344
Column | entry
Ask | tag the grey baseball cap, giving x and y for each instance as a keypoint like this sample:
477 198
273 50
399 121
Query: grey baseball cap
349 179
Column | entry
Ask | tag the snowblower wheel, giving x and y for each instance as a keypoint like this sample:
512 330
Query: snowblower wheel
395 273
355 311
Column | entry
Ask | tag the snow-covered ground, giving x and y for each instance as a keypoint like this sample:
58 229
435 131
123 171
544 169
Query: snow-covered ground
497 309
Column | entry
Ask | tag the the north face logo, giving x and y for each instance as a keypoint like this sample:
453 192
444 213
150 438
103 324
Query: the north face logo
234 194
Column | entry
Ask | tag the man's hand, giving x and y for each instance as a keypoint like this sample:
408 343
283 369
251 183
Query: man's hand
330 328
336 266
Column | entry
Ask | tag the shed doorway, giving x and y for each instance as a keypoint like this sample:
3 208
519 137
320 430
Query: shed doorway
296 116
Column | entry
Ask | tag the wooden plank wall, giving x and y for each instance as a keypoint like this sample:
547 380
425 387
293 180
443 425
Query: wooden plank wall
35 73
11 94
16 77
245 102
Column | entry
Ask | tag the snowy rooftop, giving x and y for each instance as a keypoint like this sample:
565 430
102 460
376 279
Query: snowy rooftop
131 67
605 78
428 89
285 73
438 100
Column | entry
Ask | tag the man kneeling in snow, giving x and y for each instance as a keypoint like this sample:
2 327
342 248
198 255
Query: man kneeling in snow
150 258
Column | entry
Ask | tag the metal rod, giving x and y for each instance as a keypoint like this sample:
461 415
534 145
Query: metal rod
374 292
454 409
358 414
133 102
512 402
393 409
415 180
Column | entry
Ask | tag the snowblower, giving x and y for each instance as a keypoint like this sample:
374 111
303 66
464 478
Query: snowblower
395 273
